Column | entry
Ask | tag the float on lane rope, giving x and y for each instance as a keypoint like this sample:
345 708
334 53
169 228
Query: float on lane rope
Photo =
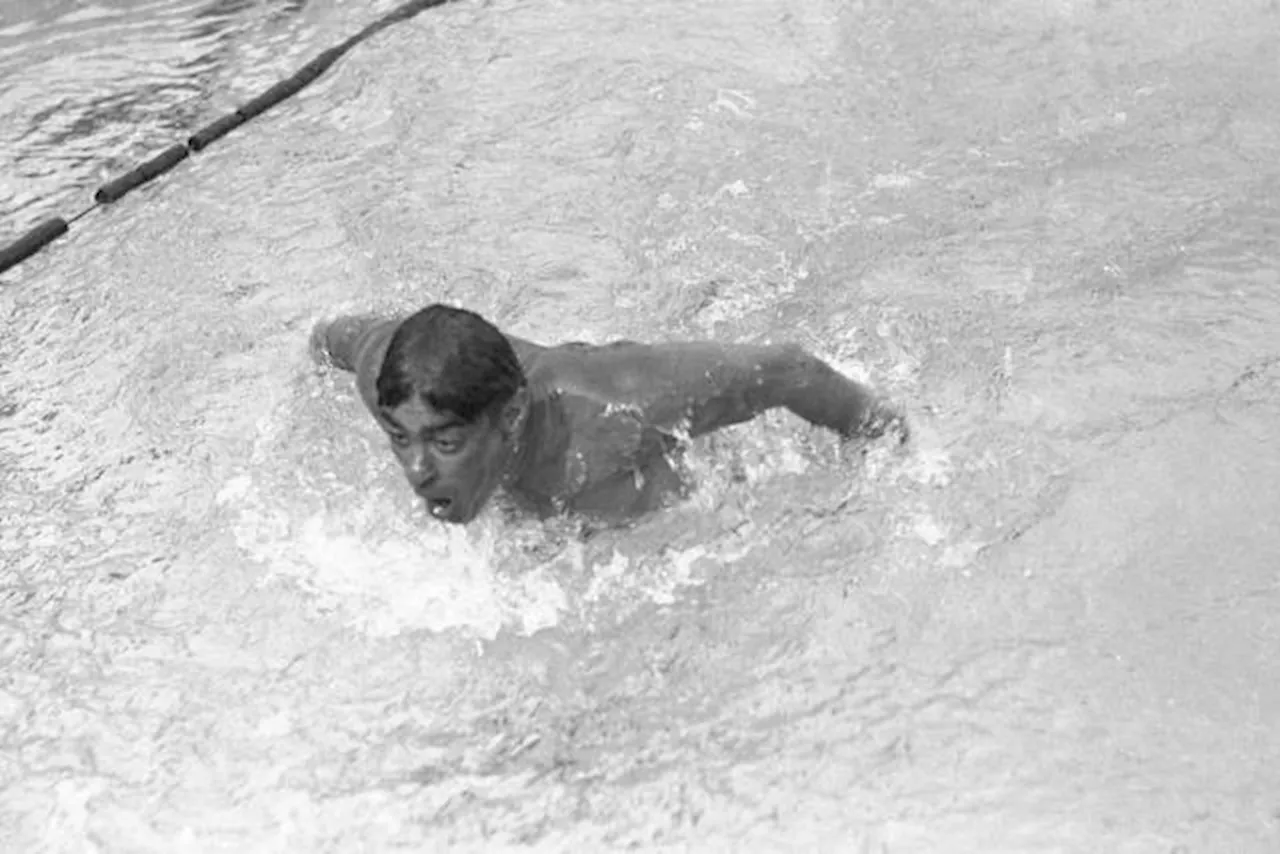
53 228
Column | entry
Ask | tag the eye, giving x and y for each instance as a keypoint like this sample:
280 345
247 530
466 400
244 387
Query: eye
450 443
398 439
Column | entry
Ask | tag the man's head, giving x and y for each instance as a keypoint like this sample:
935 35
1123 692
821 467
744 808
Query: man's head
452 398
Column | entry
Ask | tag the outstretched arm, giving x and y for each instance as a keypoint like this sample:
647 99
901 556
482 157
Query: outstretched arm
704 386
355 343
341 342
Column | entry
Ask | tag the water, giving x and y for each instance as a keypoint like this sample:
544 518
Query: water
1049 228
92 89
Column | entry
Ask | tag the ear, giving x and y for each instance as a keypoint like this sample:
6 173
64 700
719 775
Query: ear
514 412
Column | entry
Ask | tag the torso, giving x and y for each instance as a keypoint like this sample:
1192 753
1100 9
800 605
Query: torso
616 465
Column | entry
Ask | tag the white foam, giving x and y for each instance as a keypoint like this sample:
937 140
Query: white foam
386 571
929 466
657 581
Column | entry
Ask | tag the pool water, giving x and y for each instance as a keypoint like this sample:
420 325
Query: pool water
1048 228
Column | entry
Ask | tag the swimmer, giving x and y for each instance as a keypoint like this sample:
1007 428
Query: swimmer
594 430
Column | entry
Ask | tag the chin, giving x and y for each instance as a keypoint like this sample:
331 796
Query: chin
463 518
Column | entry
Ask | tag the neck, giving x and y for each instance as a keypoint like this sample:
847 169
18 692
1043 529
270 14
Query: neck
536 467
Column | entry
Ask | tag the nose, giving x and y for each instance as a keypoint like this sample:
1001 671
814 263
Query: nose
419 468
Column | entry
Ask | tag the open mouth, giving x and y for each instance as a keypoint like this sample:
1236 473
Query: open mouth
441 508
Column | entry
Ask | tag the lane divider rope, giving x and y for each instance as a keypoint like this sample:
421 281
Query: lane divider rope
51 229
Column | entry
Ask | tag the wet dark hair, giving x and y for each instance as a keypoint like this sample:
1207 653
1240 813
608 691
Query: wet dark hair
453 359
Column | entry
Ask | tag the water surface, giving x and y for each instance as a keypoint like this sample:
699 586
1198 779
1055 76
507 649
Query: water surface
1048 228
91 89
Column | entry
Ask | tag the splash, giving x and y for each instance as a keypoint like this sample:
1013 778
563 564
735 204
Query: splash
386 573
657 581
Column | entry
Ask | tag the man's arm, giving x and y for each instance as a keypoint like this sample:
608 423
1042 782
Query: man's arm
342 341
703 386
356 343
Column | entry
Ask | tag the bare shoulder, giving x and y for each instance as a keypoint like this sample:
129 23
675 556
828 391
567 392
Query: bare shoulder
529 353
613 372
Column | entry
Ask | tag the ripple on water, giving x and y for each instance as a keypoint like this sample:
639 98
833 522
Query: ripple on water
1043 627
92 90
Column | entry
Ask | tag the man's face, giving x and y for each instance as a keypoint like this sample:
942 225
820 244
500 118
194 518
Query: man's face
453 465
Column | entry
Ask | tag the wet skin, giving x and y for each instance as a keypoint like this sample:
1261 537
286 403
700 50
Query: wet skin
454 466
598 430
